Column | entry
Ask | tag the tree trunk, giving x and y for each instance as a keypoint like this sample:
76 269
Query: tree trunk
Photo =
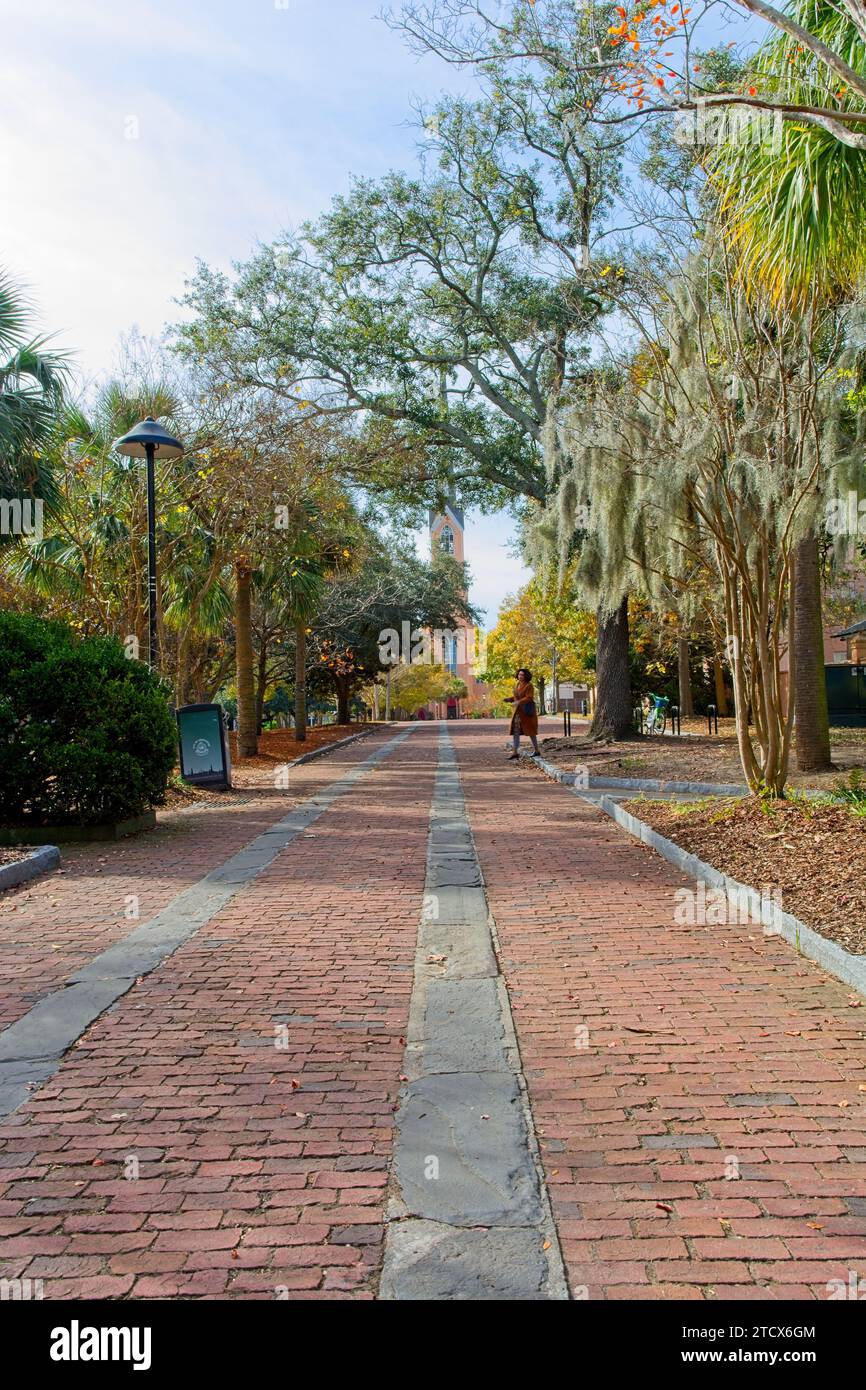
181 685
687 703
541 688
248 744
806 661
261 684
721 692
300 683
342 702
613 710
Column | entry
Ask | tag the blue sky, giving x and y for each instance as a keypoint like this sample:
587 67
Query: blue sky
137 137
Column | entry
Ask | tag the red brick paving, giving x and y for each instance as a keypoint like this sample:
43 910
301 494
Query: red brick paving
678 1018
261 1171
50 927
251 1187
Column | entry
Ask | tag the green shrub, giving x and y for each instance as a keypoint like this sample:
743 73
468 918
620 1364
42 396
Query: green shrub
86 735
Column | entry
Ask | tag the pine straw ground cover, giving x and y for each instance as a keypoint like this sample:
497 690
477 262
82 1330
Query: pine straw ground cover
812 852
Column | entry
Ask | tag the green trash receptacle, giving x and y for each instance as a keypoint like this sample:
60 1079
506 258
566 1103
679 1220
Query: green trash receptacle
205 756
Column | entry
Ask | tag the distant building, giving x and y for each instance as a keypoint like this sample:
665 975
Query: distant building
459 647
855 636
844 660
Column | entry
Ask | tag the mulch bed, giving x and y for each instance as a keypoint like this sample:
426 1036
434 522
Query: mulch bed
180 796
12 856
814 853
276 747
695 759
280 745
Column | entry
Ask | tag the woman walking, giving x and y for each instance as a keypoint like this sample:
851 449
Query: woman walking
525 717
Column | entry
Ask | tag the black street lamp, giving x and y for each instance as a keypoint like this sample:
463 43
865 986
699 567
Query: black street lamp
145 441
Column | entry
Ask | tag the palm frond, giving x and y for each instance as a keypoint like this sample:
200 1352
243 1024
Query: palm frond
791 195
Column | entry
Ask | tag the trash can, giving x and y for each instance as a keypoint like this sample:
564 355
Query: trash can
205 757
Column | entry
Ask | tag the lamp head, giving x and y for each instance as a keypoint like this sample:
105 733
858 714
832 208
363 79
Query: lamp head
149 431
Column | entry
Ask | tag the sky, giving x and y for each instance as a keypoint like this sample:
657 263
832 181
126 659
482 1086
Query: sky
136 138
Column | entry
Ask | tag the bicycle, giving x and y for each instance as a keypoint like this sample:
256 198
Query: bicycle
657 717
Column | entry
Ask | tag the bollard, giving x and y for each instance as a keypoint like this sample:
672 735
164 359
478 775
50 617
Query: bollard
676 725
712 718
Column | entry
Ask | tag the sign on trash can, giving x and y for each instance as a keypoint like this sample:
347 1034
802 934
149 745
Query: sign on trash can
205 757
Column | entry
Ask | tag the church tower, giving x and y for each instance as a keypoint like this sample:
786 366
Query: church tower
447 533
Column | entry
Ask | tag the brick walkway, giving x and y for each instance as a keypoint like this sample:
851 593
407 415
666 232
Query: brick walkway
685 1025
52 926
261 1169
225 1129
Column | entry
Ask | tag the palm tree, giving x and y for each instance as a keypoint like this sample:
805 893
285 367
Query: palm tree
302 597
792 196
792 209
31 393
291 582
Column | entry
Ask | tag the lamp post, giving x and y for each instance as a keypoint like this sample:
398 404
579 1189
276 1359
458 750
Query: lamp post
147 440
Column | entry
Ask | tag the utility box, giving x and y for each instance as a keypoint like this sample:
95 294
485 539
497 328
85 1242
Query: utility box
846 695
205 756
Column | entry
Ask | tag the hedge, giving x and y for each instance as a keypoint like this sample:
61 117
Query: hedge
86 734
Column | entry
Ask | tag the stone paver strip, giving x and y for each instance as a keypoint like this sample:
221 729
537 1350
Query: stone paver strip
465 1154
224 1128
58 1019
250 1082
638 1032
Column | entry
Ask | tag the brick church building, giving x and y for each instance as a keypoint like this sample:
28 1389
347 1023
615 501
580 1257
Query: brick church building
460 650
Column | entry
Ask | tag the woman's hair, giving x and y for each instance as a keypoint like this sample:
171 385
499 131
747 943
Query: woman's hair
527 673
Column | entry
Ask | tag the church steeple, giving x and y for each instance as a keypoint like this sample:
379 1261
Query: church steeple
446 530
447 536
